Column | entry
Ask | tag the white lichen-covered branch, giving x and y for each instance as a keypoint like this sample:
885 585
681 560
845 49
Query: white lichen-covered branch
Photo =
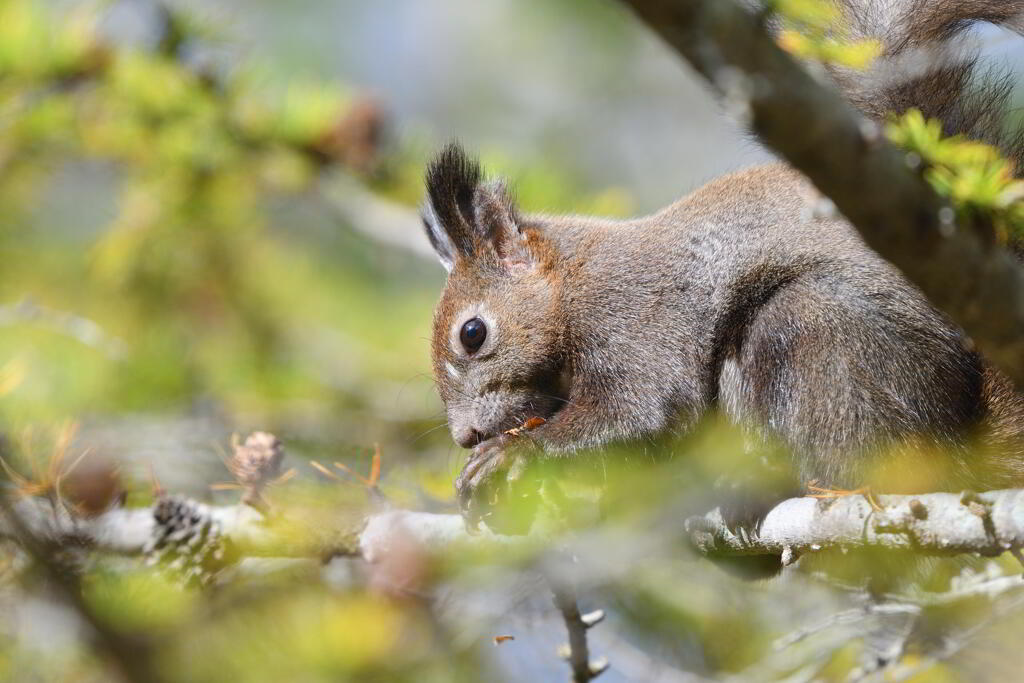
931 524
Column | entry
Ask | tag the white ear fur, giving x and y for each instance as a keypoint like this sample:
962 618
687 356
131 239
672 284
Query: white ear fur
439 239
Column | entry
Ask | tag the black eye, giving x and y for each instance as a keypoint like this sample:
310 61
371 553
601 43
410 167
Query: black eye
473 334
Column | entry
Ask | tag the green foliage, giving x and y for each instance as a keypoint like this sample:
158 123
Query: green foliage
346 637
813 29
975 176
139 600
187 268
166 244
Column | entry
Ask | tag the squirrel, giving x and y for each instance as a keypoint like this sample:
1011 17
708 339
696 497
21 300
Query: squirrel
741 297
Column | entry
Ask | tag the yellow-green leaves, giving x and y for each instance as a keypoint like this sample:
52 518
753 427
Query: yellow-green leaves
307 112
12 374
820 14
135 600
813 29
33 46
302 634
975 176
856 55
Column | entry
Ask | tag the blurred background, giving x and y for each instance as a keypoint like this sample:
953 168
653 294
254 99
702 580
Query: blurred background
208 226
187 229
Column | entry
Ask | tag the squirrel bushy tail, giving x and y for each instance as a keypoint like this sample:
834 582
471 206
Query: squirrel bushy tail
924 66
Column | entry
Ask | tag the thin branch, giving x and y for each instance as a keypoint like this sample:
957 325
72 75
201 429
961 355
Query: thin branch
127 531
577 652
903 671
379 219
79 328
962 271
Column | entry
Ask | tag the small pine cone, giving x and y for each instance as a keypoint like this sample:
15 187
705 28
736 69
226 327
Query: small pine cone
186 540
257 462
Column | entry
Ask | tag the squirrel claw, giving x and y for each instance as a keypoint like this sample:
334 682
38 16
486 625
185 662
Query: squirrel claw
820 492
474 484
491 487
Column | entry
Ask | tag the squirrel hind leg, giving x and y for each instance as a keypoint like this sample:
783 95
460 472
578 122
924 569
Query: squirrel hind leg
851 369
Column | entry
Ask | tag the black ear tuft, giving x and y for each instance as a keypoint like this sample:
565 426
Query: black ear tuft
452 179
465 217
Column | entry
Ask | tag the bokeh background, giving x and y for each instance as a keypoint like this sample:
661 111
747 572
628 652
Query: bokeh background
208 226
165 278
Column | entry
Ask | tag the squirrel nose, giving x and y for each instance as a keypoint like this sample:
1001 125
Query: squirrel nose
468 437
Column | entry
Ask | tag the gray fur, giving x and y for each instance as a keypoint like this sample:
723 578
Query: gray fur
742 296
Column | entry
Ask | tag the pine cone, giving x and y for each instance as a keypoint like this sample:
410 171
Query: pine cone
186 540
256 463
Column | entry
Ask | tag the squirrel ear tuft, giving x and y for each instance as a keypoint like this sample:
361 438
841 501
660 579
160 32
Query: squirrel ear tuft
466 217
452 179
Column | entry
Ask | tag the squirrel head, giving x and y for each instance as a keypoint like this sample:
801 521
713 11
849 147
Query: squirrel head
499 327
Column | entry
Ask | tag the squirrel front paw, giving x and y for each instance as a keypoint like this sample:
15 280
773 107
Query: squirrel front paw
491 489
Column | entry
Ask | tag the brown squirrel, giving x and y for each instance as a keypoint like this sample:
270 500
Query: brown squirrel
740 296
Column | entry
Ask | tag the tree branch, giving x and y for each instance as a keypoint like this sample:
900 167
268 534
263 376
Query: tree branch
132 531
987 523
129 654
978 284
128 531
379 219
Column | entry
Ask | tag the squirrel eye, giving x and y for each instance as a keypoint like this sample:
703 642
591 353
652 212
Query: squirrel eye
473 334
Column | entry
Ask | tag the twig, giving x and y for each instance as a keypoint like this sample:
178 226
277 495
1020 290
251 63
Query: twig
952 645
379 219
77 327
576 652
850 616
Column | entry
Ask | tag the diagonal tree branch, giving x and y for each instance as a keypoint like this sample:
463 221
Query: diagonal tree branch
379 219
978 284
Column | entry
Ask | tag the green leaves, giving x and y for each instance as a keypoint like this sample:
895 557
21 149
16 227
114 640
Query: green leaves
182 263
974 175
814 30
32 46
